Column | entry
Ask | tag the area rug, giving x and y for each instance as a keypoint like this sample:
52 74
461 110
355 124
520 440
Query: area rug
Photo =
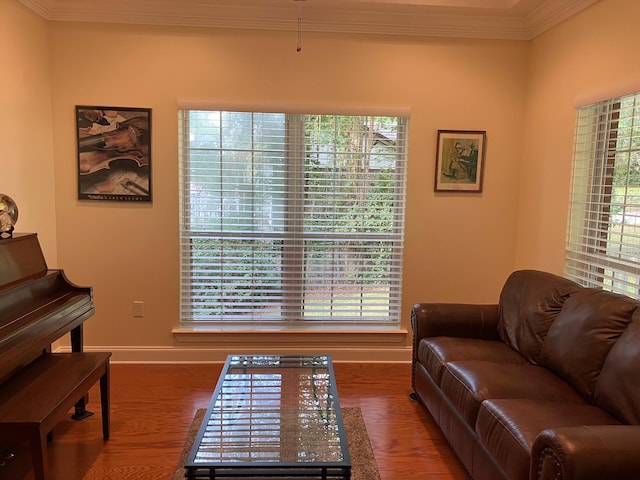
363 463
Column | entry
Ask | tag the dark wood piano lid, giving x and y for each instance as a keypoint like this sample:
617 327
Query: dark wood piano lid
21 259
37 305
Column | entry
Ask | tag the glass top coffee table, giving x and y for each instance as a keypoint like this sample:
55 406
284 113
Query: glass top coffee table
272 416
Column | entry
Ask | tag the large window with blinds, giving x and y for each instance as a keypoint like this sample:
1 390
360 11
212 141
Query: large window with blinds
603 241
291 220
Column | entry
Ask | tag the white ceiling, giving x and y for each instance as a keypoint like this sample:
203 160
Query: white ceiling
497 19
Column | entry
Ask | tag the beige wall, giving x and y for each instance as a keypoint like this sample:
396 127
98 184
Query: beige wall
594 52
26 157
130 252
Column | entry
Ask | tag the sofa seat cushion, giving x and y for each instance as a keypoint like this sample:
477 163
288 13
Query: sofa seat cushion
507 428
434 353
468 383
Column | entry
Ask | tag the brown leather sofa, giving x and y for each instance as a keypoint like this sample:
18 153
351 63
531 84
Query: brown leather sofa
543 385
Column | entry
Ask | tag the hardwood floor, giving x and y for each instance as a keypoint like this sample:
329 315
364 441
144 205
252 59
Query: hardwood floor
152 407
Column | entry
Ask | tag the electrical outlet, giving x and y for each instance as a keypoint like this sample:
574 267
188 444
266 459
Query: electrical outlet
138 309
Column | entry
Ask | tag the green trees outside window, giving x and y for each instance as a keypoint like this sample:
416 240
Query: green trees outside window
294 220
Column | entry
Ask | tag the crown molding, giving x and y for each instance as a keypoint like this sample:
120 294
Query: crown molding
551 14
353 17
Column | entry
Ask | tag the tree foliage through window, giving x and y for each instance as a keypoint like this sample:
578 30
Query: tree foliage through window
291 219
603 242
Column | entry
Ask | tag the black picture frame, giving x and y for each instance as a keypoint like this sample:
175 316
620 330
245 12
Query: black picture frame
114 153
460 160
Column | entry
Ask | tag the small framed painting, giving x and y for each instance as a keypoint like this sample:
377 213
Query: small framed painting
114 153
460 160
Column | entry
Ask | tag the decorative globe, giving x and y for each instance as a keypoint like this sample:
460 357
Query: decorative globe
8 215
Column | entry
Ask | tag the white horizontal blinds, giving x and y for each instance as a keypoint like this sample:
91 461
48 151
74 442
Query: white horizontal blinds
603 241
292 220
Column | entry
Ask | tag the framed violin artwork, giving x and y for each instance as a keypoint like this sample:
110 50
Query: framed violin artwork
114 153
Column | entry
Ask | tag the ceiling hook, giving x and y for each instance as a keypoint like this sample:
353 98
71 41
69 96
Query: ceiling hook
299 46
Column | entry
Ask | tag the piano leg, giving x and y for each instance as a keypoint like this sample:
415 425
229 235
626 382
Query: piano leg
76 339
80 409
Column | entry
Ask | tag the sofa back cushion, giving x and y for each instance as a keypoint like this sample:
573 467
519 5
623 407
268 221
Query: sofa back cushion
579 341
618 387
529 303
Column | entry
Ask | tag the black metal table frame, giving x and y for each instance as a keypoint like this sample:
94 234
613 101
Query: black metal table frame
280 470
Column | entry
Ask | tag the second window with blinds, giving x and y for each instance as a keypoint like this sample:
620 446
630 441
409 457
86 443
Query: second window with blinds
603 241
291 220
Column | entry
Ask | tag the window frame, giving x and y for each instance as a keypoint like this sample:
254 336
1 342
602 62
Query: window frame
591 230
295 197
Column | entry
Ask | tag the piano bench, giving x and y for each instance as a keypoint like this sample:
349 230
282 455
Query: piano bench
38 396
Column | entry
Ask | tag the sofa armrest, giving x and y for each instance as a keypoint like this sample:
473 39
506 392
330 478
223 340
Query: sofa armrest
451 320
454 320
590 452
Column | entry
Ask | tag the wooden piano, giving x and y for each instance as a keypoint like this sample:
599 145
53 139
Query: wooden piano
37 387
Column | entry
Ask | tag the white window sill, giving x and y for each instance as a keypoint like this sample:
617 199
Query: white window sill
387 337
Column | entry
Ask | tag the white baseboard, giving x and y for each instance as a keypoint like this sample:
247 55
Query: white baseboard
146 354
